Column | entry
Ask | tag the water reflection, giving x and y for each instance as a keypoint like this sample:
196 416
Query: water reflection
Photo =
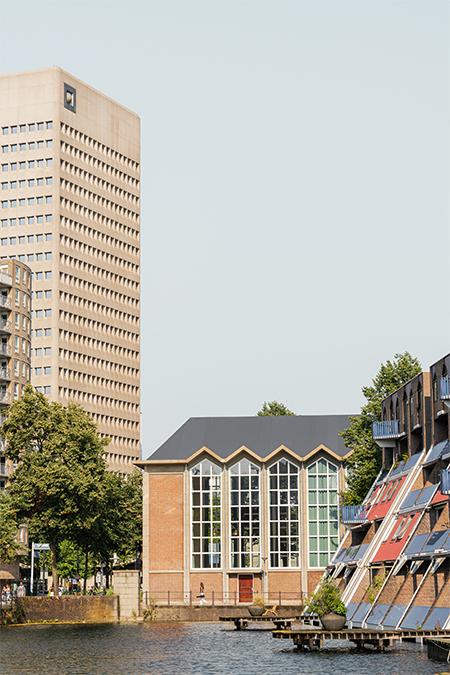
166 649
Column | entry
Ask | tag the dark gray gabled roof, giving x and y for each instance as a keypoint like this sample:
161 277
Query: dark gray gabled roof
224 435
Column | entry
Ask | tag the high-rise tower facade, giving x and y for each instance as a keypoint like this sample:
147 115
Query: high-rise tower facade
70 210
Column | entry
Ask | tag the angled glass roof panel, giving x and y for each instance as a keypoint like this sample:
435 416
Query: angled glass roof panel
351 608
377 615
409 500
415 545
435 541
425 496
361 612
415 618
437 451
393 616
398 470
437 618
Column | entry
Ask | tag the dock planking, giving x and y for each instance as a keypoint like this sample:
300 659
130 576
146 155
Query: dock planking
241 622
313 638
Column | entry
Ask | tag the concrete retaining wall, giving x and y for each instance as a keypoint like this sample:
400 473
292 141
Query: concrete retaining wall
87 609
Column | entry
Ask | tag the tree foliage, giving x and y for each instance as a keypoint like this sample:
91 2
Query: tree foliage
365 461
61 485
274 408
9 546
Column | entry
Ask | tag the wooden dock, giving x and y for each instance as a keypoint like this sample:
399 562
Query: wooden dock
241 622
312 638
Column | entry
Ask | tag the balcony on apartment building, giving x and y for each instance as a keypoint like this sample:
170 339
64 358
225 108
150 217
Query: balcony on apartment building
5 398
387 432
445 481
5 303
5 350
445 389
5 326
353 514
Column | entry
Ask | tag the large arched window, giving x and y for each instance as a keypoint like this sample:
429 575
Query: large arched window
284 514
323 521
206 515
245 515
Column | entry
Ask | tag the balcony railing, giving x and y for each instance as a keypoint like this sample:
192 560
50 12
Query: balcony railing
5 399
5 303
5 279
445 482
353 515
445 388
5 350
5 326
5 374
386 429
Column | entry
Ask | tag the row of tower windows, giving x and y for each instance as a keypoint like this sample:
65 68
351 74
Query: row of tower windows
104 239
100 326
107 293
27 164
100 254
27 183
30 127
99 164
31 145
94 362
99 182
28 239
98 308
98 272
26 201
115 421
97 400
100 147
103 202
75 339
118 388
27 220
99 218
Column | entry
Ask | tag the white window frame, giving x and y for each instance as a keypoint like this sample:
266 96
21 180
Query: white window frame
202 521
337 506
289 537
240 537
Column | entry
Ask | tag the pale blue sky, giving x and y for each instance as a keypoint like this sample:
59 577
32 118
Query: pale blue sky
295 188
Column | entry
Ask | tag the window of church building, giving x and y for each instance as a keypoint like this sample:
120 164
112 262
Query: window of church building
245 515
323 520
206 515
284 514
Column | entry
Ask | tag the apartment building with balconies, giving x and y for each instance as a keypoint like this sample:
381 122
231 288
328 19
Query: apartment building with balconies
393 566
15 340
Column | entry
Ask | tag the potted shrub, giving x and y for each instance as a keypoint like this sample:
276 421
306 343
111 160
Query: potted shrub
327 604
257 608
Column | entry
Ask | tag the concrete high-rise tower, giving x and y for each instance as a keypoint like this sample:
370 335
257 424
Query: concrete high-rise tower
70 210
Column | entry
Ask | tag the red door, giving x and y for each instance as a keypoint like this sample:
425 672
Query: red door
246 588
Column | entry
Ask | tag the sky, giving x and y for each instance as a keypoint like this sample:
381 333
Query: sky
295 188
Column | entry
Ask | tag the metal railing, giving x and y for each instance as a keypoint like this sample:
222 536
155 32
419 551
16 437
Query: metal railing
5 303
5 350
353 514
5 279
213 599
445 387
5 374
386 429
445 481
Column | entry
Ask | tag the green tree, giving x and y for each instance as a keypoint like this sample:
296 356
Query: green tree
365 461
9 546
60 471
273 408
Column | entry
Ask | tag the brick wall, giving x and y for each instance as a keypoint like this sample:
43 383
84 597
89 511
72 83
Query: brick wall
166 507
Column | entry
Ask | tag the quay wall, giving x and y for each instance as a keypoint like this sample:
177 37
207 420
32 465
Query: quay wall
188 613
86 609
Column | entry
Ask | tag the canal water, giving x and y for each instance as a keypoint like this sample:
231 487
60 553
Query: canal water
206 649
